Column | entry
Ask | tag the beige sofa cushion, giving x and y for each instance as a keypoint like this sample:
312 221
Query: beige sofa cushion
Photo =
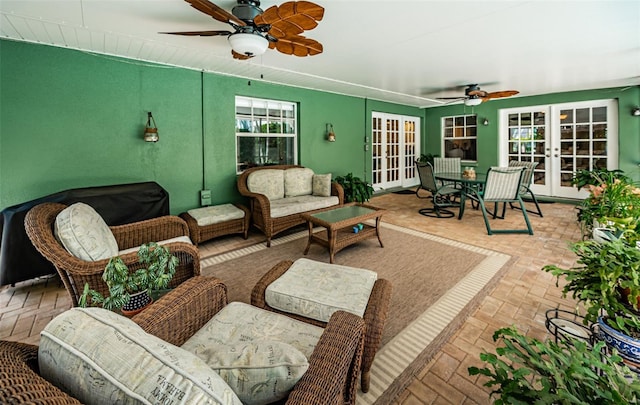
298 181
316 290
84 234
269 182
100 357
322 185
260 354
303 203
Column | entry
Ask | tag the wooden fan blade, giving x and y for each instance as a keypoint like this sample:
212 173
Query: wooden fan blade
297 45
450 98
215 11
200 33
501 94
478 93
291 18
237 55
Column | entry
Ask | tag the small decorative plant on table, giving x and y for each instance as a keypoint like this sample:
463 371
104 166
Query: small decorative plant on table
130 290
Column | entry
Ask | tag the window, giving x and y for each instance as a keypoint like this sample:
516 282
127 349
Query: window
459 135
266 133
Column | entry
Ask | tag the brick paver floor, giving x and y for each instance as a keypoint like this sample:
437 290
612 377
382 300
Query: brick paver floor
521 297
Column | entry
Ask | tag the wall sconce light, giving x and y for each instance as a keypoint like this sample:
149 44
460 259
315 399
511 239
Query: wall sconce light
151 130
485 122
635 112
331 136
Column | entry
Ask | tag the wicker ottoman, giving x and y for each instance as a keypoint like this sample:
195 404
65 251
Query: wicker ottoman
210 222
315 293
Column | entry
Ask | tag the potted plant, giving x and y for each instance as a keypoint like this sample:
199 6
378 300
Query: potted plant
528 371
130 290
606 281
355 189
613 201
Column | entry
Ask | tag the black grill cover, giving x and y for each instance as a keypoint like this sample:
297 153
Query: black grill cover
118 204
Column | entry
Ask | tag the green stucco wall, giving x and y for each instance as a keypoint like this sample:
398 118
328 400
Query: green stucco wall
71 119
628 125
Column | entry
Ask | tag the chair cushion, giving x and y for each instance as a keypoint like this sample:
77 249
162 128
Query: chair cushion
183 239
101 357
84 234
322 185
260 354
269 182
216 214
298 181
316 290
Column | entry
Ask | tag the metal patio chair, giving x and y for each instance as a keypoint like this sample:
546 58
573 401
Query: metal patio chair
502 187
447 165
443 196
527 180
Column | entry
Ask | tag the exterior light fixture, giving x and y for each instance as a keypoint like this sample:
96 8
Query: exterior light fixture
473 101
151 130
635 112
331 136
249 44
485 122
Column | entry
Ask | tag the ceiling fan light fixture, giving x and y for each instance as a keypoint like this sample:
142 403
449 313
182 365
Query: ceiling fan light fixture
473 101
248 44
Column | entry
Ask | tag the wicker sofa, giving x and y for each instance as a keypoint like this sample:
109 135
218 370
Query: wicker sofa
277 202
330 379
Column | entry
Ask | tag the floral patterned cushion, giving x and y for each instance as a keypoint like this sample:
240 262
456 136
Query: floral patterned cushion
298 181
216 214
269 182
260 354
100 357
84 234
316 290
322 185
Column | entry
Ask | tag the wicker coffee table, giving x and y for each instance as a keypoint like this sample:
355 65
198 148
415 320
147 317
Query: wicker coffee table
340 223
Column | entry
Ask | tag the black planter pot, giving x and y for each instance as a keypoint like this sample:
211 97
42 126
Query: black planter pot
137 303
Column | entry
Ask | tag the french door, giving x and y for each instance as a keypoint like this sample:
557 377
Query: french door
563 139
395 147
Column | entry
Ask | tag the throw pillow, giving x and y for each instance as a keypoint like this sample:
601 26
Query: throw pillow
298 181
84 234
322 185
100 357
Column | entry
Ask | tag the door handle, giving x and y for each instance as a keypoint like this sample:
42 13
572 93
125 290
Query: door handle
547 155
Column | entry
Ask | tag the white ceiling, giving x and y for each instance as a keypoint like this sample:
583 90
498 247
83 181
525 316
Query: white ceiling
396 51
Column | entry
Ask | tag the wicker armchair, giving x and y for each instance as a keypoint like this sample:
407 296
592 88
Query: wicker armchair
175 317
76 272
260 206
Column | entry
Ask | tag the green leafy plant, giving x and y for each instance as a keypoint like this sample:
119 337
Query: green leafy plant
613 201
355 189
525 370
427 158
159 267
606 280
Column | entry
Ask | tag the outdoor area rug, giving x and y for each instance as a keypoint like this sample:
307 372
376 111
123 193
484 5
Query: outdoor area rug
437 283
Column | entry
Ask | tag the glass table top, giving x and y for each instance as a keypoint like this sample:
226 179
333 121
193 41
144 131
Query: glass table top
342 213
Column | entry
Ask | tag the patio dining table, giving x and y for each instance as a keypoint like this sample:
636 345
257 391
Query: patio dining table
469 184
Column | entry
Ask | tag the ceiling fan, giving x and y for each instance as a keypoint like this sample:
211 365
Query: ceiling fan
279 27
473 95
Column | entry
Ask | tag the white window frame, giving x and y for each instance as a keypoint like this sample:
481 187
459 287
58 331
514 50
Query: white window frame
469 132
264 118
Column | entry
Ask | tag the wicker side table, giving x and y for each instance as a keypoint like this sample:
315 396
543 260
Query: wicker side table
203 233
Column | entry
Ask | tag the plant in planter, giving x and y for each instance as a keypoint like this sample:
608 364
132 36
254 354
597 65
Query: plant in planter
125 286
427 158
613 201
528 371
355 189
606 280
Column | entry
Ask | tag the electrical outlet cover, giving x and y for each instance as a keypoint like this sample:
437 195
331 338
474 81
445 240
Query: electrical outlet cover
205 197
